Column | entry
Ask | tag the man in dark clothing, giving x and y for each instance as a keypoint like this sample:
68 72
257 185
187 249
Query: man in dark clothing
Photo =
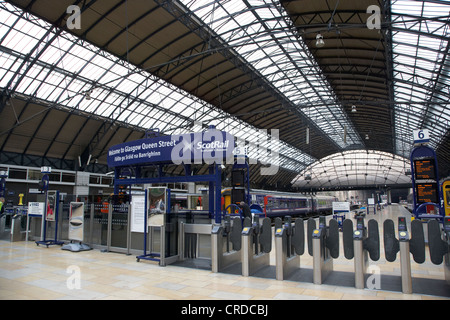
245 210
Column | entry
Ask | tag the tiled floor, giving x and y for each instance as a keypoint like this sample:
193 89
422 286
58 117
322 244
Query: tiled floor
31 272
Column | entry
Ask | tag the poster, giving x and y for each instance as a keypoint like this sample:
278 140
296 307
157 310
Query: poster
341 206
137 213
52 203
76 221
36 208
156 206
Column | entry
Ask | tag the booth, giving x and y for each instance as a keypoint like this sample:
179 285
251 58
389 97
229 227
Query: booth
142 162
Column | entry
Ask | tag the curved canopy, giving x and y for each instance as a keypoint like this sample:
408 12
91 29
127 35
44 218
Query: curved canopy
358 169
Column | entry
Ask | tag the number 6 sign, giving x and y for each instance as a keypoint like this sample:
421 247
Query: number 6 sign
421 136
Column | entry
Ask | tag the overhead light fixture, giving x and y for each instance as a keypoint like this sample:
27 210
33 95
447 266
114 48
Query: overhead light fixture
353 108
319 41
367 136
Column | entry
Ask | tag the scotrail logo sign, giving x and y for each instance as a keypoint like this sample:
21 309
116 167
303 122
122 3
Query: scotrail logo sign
210 147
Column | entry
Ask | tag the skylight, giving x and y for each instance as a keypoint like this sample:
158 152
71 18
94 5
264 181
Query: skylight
355 168
69 73
260 33
421 33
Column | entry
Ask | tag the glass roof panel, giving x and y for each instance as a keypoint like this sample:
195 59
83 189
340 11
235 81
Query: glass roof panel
75 74
260 48
421 69
67 69
355 168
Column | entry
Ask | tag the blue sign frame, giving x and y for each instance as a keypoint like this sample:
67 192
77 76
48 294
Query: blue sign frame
211 147
425 153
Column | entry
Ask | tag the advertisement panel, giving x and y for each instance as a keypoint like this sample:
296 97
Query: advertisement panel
76 221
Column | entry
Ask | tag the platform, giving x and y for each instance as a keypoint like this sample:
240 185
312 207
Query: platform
31 272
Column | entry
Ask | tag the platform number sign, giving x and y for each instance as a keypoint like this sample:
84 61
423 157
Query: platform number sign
421 136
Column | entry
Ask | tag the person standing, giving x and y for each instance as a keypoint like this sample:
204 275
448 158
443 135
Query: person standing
246 212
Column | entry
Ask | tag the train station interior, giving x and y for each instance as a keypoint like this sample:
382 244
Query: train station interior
227 150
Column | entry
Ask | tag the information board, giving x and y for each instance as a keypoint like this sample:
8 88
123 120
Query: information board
426 192
138 213
424 169
36 208
341 206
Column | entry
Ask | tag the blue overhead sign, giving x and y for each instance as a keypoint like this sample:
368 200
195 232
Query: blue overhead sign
212 146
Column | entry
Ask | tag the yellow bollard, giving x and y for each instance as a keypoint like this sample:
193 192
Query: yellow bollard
21 195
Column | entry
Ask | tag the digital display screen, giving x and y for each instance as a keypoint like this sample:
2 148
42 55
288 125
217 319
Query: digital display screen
426 192
424 169
237 178
401 224
237 195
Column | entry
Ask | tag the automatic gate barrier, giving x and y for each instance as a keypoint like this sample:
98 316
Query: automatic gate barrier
221 236
406 245
439 245
359 244
289 246
325 247
256 245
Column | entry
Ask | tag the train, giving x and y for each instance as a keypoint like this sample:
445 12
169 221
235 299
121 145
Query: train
274 204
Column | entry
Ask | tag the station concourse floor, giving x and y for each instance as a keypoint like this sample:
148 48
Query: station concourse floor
29 272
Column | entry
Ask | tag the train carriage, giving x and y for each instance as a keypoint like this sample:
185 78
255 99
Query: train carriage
279 204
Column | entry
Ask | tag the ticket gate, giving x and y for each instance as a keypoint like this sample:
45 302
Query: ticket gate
256 245
406 245
439 244
359 244
289 246
222 236
17 222
325 247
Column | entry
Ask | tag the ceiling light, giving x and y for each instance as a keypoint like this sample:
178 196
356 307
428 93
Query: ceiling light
353 108
319 41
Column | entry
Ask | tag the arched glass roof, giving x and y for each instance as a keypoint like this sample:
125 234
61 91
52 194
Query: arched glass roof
262 35
48 64
421 70
242 66
358 168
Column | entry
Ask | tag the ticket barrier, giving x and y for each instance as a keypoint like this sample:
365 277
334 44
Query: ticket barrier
222 254
439 244
289 246
16 227
406 245
325 247
256 245
359 244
